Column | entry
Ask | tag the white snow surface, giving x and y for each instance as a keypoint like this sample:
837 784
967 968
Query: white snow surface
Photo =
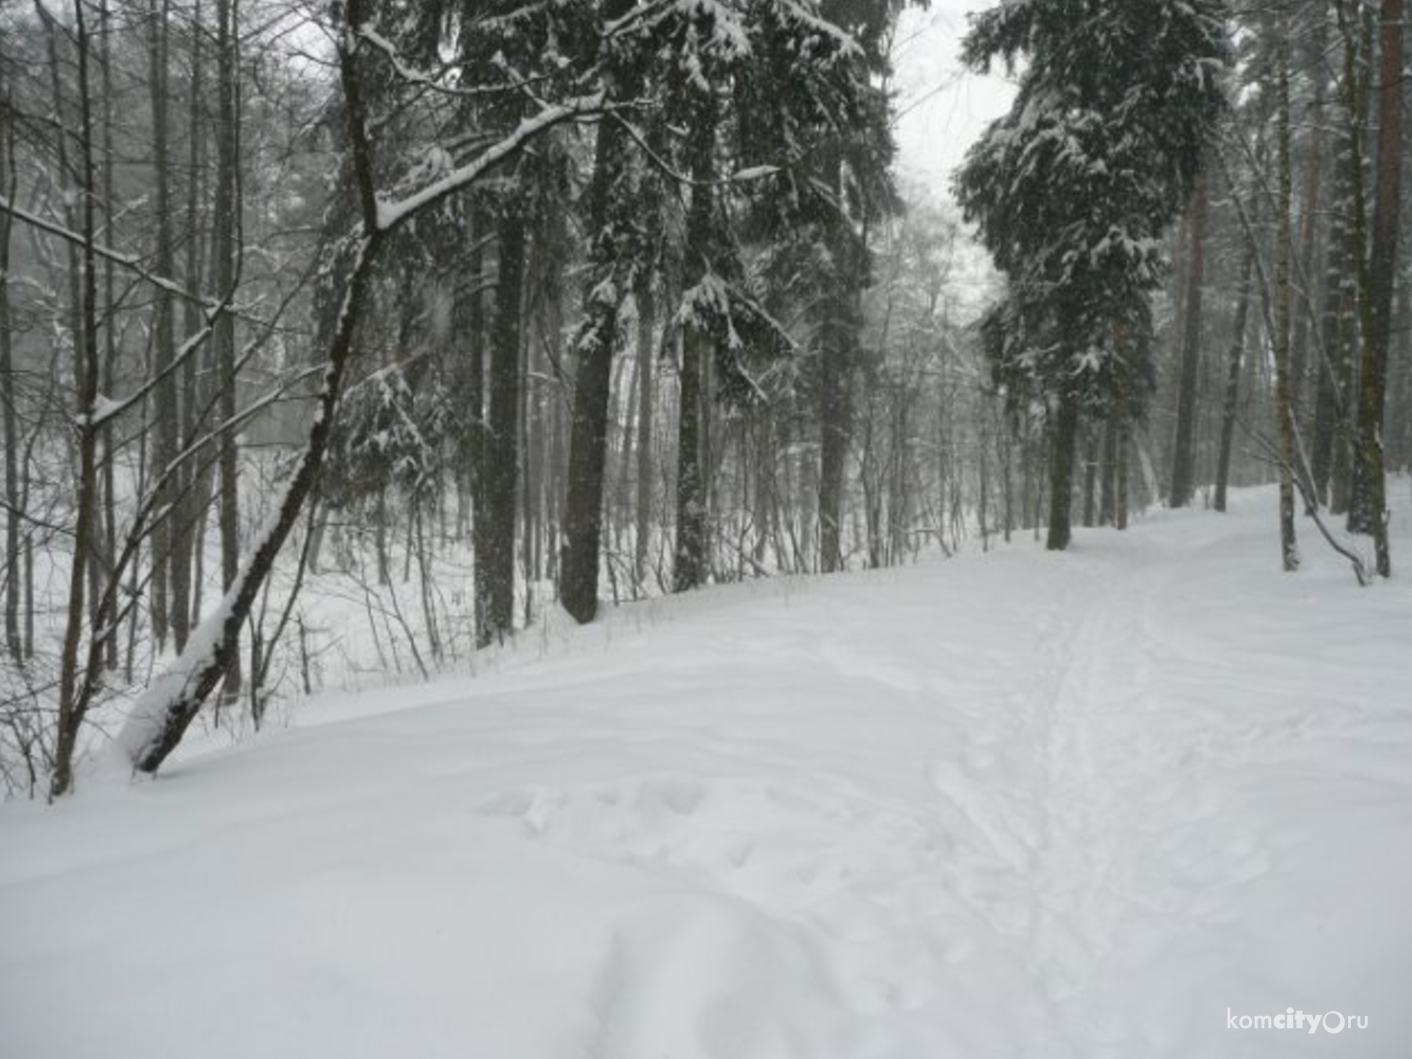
1016 804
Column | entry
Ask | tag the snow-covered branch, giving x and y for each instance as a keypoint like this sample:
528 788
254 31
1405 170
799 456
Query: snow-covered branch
412 75
391 214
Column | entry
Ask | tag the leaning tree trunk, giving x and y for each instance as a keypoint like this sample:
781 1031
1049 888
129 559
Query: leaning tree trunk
160 717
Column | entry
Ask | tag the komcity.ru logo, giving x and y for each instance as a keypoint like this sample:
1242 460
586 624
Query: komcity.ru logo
1289 1019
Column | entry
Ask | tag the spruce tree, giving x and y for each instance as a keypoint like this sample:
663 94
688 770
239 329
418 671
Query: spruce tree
1072 189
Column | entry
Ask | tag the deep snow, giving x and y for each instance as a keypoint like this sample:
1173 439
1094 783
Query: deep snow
1016 804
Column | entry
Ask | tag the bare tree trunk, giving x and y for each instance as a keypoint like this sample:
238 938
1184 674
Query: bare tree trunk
1063 445
1332 399
1108 501
553 443
1029 503
1356 32
189 506
502 455
1090 507
1184 454
835 423
476 438
646 356
1310 211
623 477
1120 472
9 409
610 216
1234 360
225 252
533 419
1367 511
690 561
1284 409
71 710
165 421
109 548
1399 441
1121 413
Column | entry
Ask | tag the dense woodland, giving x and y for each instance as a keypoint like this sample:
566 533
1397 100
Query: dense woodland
354 339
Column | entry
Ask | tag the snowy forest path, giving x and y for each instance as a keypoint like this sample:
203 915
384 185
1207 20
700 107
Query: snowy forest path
1016 805
1103 809
1132 851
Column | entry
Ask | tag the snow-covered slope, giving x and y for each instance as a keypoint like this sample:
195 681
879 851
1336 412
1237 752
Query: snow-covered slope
1017 804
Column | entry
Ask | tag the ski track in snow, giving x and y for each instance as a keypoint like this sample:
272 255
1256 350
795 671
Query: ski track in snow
1019 805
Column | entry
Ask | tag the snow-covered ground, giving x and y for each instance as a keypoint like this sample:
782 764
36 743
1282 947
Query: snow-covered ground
1016 804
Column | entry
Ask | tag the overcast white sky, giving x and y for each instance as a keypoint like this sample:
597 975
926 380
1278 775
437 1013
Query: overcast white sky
943 106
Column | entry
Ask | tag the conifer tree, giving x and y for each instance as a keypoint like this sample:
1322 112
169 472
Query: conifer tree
1073 188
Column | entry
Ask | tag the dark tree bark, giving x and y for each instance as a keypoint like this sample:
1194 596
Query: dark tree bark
690 561
109 548
9 410
838 361
477 429
1234 361
225 253
1120 465
165 610
646 388
1311 210
186 481
1357 36
1284 252
1108 498
1338 339
1063 449
502 456
1183 449
85 373
1091 443
610 218
1368 506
